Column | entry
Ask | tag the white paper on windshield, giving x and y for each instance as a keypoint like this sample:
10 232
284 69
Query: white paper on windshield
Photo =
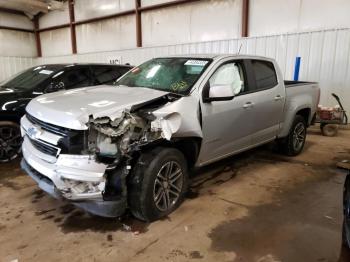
196 62
45 72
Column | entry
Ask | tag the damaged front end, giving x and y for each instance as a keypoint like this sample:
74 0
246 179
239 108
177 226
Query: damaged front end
95 175
118 142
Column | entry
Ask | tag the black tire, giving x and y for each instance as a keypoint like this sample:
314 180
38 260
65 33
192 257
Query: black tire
10 141
147 184
329 129
289 145
346 212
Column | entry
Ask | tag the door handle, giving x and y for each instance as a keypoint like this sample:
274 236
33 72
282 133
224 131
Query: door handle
248 104
278 97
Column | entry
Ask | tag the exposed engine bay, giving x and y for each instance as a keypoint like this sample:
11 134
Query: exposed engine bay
113 139
116 142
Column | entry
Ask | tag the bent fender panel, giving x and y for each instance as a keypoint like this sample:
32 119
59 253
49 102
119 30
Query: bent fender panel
181 118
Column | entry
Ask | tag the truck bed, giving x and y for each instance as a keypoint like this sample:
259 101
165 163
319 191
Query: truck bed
290 83
301 93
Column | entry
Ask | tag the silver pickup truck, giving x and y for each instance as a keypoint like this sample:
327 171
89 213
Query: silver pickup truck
131 145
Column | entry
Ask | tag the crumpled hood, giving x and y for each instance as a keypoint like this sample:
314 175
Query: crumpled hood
72 108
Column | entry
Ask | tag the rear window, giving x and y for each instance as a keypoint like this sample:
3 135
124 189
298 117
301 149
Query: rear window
265 74
108 74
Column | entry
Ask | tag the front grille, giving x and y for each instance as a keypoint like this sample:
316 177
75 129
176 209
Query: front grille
44 148
72 141
48 127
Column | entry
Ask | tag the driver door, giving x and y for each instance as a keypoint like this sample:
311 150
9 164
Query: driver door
227 125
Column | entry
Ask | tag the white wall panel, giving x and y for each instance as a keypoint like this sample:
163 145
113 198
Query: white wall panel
273 17
16 43
192 22
57 17
325 57
111 34
153 2
12 65
13 20
86 9
269 17
56 42
324 14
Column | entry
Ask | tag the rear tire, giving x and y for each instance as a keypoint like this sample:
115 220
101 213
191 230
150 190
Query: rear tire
293 144
10 141
158 184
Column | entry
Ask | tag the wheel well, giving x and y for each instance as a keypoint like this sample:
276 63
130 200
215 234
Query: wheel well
14 119
189 147
305 113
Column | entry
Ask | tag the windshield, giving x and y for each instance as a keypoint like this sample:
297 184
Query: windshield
176 75
30 78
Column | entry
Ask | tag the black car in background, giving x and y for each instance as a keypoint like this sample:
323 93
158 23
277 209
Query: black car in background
16 93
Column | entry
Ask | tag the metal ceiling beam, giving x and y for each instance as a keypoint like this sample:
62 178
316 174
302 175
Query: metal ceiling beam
167 4
53 27
10 11
72 26
16 29
37 35
138 23
97 19
245 18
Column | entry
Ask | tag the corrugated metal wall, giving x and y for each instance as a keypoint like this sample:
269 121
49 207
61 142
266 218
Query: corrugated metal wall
10 65
325 57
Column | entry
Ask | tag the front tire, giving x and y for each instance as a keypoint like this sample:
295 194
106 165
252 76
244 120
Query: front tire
10 141
294 143
158 184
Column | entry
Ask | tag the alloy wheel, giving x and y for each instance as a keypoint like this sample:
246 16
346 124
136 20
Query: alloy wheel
299 136
10 143
168 186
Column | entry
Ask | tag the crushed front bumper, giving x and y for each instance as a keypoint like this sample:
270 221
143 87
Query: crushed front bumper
68 176
97 207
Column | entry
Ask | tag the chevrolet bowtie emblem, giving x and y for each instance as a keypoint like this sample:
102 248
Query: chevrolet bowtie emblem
33 132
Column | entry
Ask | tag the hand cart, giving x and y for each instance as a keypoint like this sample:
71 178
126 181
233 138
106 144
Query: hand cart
331 117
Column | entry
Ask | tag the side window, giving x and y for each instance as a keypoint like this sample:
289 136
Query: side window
265 74
108 74
229 74
75 78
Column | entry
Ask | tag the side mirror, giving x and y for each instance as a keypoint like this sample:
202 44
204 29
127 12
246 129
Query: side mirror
220 93
54 86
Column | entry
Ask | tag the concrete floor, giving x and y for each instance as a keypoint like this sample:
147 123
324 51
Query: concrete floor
257 206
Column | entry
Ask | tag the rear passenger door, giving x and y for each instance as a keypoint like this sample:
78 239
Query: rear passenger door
107 74
267 95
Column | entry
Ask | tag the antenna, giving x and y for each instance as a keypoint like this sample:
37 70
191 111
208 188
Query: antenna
239 50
